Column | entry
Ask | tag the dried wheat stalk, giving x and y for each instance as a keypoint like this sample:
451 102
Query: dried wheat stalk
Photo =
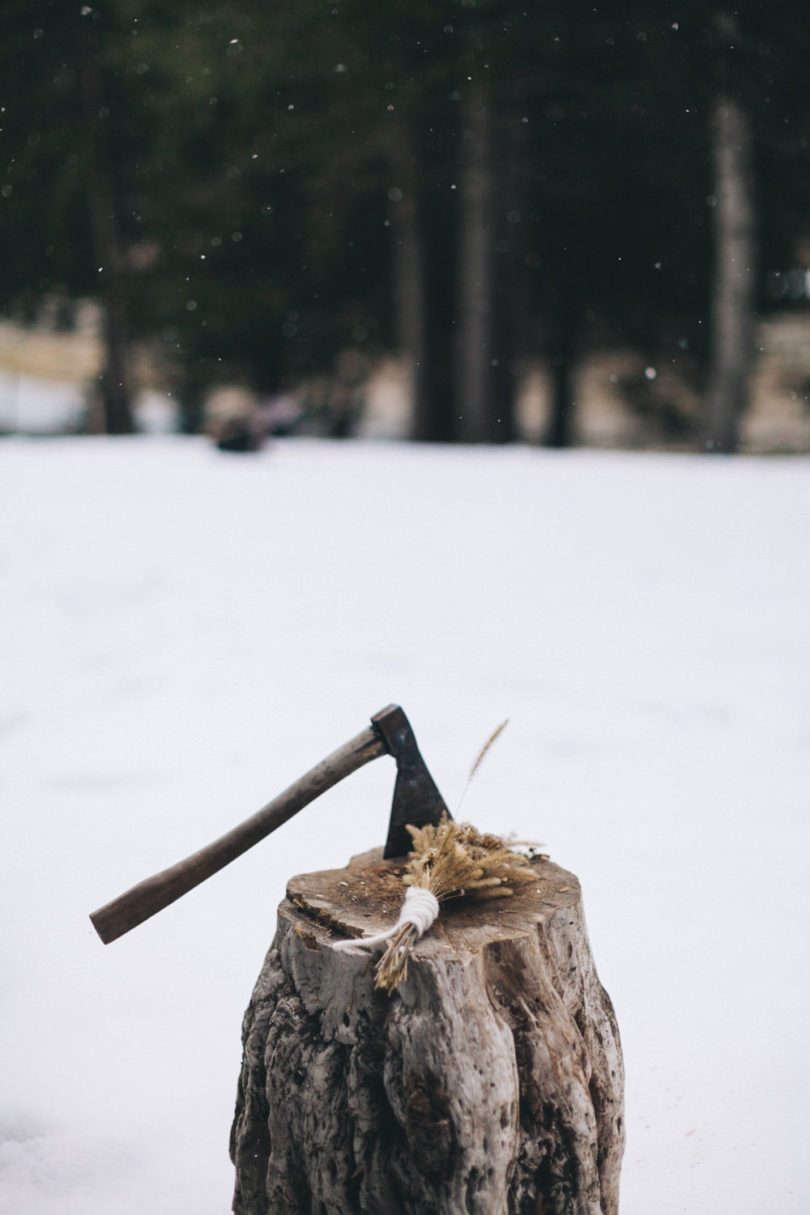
446 862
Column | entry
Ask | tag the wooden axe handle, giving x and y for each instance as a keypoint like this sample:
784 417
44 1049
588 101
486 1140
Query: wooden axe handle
155 893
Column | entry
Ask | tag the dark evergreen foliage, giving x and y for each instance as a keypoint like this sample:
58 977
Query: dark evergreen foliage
258 187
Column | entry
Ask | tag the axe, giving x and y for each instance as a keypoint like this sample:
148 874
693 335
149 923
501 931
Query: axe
417 802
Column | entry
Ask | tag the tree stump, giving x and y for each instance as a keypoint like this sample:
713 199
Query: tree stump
491 1082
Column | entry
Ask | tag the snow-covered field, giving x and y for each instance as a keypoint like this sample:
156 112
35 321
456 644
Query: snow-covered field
32 405
184 633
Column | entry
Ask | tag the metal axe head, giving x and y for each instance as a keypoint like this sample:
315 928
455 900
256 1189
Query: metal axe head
417 801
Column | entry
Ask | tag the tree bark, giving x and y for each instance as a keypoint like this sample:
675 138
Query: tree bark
424 271
115 386
734 276
560 432
475 273
410 293
490 1083
510 302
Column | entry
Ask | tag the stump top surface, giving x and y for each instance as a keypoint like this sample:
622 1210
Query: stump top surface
366 896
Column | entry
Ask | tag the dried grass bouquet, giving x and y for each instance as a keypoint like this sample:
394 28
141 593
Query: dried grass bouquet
449 861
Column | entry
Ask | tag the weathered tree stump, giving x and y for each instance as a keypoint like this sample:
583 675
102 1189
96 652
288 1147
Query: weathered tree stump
491 1082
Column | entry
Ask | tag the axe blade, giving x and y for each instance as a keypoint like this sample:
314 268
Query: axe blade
417 801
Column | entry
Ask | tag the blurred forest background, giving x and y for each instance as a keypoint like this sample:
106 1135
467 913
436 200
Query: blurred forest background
498 203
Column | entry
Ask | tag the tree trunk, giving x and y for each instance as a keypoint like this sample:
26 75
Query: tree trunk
438 389
491 1083
510 301
115 386
734 277
560 431
410 295
475 273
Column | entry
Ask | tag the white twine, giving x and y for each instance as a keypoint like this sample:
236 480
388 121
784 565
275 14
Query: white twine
421 907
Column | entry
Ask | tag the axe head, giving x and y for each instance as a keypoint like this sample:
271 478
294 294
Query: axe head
417 801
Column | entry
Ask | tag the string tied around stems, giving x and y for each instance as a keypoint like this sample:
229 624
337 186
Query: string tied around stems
419 911
447 861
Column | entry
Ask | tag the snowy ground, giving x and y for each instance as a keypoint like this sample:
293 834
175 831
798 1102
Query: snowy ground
184 633
31 405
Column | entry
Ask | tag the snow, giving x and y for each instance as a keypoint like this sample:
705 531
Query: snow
32 405
29 403
186 632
